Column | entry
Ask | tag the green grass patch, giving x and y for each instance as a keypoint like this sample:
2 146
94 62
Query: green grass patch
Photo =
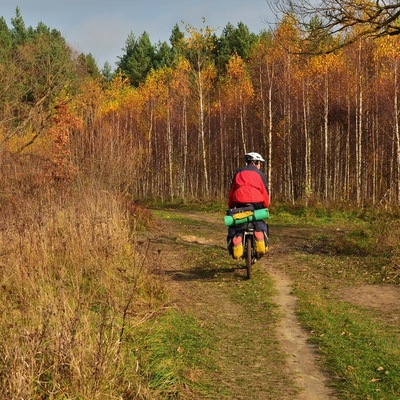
361 351
172 350
257 293
358 241
180 218
217 265
362 250
296 214
185 222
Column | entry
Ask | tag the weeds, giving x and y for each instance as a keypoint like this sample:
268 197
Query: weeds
73 282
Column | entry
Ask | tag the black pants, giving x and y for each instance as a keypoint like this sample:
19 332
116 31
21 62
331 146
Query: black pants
257 206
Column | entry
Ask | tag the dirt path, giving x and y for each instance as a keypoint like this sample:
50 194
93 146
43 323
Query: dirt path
257 356
302 356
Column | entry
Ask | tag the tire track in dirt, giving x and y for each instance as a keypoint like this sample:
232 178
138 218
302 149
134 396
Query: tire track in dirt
302 356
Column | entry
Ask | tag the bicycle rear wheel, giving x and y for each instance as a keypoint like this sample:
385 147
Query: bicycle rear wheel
249 256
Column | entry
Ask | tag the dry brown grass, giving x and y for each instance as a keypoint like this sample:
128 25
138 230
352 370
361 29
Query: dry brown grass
72 284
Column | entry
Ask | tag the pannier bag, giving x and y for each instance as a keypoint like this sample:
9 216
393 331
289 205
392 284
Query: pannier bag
237 247
259 242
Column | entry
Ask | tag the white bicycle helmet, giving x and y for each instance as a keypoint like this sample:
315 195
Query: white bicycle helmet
249 157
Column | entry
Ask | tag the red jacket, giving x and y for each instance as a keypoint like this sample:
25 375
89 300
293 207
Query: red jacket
249 185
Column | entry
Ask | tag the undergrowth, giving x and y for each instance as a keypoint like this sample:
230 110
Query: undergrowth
364 236
73 283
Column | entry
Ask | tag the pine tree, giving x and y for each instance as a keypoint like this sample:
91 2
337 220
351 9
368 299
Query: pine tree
234 41
139 58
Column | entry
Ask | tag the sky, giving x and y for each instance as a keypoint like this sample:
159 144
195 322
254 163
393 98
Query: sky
101 27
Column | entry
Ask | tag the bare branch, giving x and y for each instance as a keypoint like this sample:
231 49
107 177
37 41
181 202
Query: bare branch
347 19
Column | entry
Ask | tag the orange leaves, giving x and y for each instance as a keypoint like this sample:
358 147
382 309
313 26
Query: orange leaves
236 68
238 86
117 95
387 47
63 122
180 81
323 64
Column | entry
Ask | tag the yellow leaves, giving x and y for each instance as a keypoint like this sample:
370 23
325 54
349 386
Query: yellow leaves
183 65
236 67
208 74
325 63
41 145
287 34
117 95
200 39
180 78
238 87
98 99
387 47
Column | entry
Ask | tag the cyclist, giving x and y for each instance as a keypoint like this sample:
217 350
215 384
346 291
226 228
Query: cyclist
249 186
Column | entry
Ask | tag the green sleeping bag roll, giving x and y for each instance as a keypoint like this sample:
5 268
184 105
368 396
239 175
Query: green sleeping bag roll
257 216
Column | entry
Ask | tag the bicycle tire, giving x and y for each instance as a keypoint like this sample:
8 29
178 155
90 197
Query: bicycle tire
249 256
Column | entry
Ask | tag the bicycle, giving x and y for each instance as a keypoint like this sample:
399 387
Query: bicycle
253 242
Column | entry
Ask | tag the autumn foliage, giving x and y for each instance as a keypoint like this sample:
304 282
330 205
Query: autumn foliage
78 147
328 125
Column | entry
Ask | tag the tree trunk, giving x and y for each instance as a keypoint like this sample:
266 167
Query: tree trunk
307 143
326 144
202 133
396 131
170 154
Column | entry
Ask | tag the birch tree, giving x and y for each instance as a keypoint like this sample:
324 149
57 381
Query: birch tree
264 62
388 53
200 45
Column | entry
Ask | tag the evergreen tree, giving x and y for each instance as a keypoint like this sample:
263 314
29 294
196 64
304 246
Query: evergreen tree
139 58
88 62
234 40
19 32
106 72
163 56
5 40
177 41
